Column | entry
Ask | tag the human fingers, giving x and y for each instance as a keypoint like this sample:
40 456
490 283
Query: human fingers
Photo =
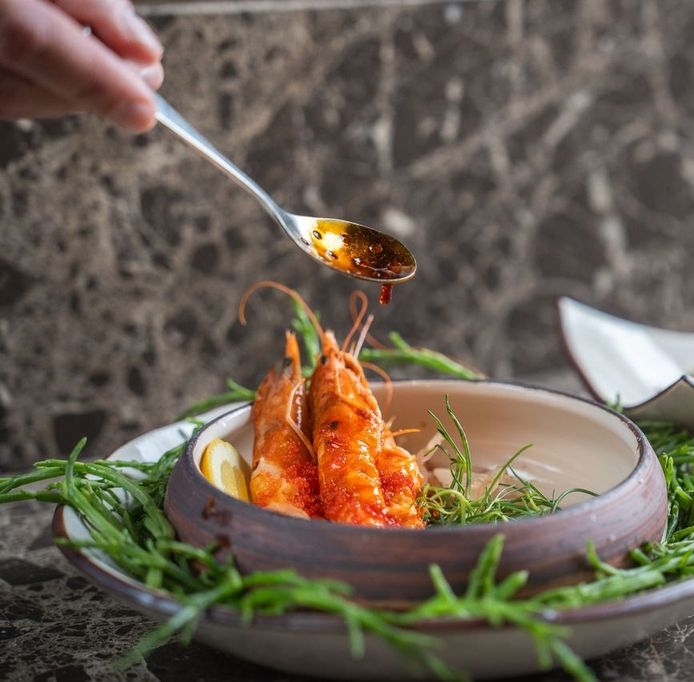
117 25
152 74
20 98
48 48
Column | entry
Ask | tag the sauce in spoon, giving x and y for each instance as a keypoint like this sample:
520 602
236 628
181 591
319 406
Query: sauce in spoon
354 250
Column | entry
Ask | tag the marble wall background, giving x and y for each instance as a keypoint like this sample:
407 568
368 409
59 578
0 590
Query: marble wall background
522 148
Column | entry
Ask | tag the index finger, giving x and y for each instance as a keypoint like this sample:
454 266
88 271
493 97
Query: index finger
115 23
47 47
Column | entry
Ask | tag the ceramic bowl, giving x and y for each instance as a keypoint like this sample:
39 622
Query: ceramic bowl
575 444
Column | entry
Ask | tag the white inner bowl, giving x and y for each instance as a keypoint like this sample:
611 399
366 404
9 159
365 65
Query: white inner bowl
575 443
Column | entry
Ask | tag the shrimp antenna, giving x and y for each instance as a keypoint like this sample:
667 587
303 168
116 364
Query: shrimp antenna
362 336
271 284
398 432
357 297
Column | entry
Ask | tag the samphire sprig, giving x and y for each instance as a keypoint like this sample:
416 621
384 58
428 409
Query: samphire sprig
120 503
132 530
506 496
674 555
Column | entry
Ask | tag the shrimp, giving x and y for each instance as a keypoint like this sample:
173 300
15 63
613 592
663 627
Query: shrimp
401 481
347 435
284 476
363 477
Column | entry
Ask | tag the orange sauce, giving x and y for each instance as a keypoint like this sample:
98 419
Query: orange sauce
351 248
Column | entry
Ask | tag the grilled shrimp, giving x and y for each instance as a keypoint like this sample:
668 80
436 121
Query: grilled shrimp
284 476
347 435
344 466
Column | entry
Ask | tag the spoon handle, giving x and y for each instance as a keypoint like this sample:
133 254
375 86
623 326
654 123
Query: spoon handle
169 117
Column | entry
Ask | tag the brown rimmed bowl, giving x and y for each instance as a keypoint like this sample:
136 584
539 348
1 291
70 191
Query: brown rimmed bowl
575 444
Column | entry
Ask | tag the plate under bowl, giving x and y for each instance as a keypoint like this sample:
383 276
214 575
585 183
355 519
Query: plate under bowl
318 644
575 443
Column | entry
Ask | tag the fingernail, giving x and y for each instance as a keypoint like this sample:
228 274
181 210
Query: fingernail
141 32
153 75
135 116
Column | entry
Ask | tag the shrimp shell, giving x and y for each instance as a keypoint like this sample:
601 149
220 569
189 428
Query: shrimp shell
284 476
347 433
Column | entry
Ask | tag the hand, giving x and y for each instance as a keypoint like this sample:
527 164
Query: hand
50 66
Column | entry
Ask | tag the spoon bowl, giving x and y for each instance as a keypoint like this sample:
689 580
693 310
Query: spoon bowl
350 248
354 249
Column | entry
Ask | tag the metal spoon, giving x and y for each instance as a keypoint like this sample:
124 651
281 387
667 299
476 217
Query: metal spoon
352 249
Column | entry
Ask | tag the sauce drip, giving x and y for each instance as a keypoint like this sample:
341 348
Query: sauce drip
385 295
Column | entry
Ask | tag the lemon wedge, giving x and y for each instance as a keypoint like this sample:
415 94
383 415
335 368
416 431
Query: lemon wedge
224 468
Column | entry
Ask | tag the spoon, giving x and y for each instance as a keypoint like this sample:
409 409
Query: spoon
352 249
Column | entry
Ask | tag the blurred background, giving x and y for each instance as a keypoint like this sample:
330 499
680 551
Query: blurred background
523 149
